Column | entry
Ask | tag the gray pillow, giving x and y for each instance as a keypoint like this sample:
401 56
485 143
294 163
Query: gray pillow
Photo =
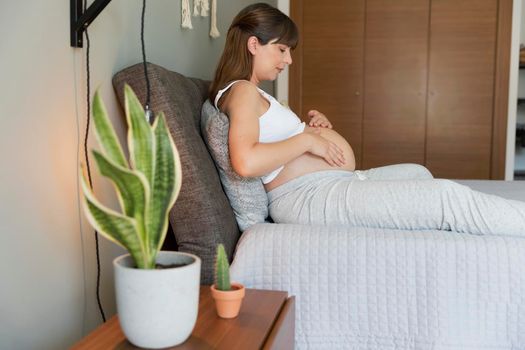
247 195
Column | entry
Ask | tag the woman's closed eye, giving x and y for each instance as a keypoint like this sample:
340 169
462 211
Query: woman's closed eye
282 48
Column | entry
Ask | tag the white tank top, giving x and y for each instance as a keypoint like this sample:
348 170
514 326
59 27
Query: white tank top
278 123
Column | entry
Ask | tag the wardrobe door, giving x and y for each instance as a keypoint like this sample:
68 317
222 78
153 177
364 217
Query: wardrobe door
461 88
327 73
396 58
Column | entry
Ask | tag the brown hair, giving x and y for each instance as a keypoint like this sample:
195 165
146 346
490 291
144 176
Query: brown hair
264 22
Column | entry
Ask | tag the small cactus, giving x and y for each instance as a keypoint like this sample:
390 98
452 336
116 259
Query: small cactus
222 270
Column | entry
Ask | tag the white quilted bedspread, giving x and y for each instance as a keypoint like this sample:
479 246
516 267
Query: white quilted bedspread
361 288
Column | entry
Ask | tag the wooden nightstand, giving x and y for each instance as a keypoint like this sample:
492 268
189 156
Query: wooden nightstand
266 321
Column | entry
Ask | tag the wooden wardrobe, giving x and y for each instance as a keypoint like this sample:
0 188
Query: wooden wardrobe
420 81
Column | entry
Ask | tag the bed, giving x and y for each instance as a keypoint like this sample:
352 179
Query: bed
355 288
360 288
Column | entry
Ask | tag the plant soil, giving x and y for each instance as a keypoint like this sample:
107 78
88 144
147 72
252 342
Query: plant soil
162 266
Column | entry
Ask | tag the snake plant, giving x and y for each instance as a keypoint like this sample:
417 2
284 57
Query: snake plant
147 187
222 270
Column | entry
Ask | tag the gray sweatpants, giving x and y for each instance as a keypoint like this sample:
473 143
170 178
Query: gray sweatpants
403 196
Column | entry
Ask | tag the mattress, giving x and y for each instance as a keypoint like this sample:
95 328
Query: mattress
506 189
362 288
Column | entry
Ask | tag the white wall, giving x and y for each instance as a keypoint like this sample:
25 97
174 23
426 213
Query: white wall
519 111
281 85
47 267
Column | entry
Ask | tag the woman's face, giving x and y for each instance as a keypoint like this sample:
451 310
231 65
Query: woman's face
268 60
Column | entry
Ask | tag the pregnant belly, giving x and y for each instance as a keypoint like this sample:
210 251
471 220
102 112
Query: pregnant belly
308 163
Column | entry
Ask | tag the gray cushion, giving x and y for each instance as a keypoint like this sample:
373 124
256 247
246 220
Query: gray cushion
202 216
247 195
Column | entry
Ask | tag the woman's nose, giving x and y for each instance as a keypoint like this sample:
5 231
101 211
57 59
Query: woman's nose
288 57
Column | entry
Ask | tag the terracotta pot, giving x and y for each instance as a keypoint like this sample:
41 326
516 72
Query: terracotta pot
228 303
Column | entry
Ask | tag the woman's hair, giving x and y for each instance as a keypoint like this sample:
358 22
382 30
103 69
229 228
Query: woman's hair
264 22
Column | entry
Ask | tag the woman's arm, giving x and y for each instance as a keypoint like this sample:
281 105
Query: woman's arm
250 158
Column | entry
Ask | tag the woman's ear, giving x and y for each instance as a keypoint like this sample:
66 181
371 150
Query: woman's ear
252 44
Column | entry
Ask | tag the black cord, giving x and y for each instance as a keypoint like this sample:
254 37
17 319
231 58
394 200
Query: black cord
86 154
147 104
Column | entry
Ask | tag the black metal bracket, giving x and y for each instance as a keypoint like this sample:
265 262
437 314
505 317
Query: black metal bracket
81 20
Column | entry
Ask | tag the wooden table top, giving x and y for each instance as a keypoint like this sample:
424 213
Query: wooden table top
249 330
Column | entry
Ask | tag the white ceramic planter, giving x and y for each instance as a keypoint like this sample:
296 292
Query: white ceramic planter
158 308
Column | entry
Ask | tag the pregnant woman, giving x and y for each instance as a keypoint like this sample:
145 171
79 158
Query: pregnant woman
309 170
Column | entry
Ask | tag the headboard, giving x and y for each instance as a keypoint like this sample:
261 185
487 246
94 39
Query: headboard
202 216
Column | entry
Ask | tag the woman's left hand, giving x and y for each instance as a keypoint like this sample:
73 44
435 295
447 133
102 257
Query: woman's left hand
318 119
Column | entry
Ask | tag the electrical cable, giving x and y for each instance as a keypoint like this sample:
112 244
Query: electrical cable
79 207
86 154
148 111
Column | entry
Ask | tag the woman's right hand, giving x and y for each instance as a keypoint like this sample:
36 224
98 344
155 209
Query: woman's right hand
324 148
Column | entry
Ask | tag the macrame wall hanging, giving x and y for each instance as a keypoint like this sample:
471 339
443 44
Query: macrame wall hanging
200 8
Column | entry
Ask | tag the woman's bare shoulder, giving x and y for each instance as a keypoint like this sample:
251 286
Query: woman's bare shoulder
243 89
243 96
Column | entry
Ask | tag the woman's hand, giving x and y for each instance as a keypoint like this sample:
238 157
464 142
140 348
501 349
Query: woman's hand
318 119
325 149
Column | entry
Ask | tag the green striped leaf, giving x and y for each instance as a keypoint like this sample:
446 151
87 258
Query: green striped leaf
132 190
140 136
166 183
114 226
105 133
